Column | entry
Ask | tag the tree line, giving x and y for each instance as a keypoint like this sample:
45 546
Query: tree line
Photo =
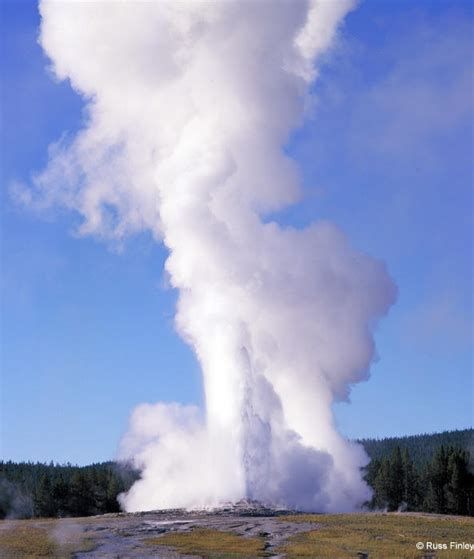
429 473
29 490
422 448
445 485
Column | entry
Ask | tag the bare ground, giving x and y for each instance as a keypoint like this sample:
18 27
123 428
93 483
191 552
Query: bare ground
242 531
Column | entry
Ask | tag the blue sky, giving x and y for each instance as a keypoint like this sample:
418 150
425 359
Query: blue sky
87 332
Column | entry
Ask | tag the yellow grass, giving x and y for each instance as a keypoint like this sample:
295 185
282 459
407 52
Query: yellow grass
212 544
36 539
382 536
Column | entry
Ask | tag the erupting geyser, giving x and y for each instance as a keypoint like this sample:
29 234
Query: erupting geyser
189 106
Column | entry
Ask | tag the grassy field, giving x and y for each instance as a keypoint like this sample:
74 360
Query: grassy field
382 536
213 544
42 538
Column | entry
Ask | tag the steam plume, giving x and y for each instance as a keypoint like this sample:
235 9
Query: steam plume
189 105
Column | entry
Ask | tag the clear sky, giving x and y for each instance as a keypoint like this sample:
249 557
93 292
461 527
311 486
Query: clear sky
87 332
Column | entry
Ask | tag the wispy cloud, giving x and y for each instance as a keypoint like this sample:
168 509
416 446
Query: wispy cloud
439 324
423 96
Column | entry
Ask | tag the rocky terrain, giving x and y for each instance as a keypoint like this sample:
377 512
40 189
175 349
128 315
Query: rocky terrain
129 535
246 530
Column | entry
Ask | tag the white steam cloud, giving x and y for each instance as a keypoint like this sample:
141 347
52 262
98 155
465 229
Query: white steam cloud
189 106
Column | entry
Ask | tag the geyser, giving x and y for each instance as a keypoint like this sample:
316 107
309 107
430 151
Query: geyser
189 105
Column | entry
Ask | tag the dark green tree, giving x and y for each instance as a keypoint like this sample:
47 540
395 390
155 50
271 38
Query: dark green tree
382 485
410 482
60 495
459 483
80 495
437 482
44 504
114 488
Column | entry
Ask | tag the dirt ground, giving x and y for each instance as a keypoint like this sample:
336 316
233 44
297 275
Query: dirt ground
238 532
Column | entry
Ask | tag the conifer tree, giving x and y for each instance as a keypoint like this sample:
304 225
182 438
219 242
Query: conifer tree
396 485
410 482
